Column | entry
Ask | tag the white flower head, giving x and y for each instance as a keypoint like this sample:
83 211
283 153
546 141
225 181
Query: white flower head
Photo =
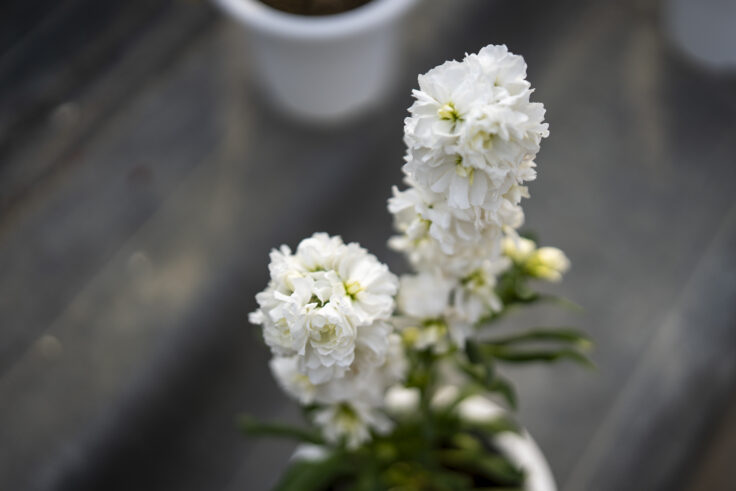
423 304
424 295
426 254
473 133
424 215
292 381
438 334
319 299
379 363
475 296
423 334
351 422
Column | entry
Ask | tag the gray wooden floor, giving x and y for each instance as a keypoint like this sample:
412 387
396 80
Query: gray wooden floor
143 180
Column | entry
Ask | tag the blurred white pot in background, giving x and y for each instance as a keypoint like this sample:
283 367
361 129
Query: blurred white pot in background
323 67
705 30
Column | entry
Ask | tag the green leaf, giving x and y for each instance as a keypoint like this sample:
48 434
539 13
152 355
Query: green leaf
547 356
482 374
490 465
253 427
500 424
560 334
475 354
503 387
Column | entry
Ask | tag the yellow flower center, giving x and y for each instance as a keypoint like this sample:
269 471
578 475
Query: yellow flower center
449 113
327 332
353 288
463 171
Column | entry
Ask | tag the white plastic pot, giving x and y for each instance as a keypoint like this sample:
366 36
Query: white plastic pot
323 67
525 453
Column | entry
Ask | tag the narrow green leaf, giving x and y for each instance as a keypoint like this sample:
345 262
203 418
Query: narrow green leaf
557 334
503 387
525 356
493 466
482 375
475 354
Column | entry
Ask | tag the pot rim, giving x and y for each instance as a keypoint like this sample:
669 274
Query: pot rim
524 451
269 20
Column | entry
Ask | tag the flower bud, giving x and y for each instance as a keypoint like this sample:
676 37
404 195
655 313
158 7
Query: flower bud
518 249
548 263
402 401
478 409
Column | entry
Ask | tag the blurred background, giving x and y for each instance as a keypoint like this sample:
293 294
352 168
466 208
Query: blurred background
144 178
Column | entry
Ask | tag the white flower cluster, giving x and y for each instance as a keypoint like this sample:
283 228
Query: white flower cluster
325 317
473 133
329 313
471 138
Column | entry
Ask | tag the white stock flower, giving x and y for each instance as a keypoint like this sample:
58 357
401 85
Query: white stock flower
473 133
319 299
459 328
426 255
371 373
286 372
424 295
350 422
423 302
424 215
379 363
475 296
